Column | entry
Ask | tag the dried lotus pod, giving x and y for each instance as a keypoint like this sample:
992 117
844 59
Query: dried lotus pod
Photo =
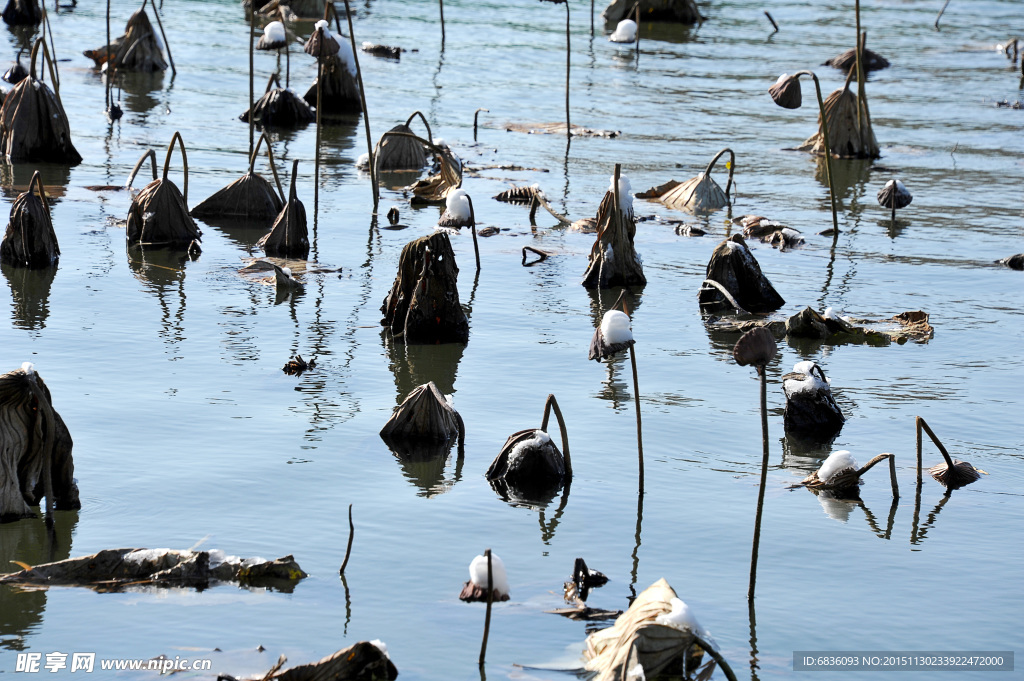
249 197
279 108
275 37
30 240
402 151
22 13
159 214
894 195
17 72
847 138
786 92
701 194
425 416
289 237
756 347
529 466
321 43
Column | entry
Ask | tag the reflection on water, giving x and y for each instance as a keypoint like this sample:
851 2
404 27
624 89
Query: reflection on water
243 232
414 365
163 272
139 91
850 177
424 465
14 178
615 389
30 294
28 541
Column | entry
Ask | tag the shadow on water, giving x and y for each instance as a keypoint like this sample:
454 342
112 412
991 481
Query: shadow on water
850 176
30 295
243 232
138 90
28 541
14 179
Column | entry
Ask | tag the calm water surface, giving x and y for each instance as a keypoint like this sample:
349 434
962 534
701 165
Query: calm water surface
168 374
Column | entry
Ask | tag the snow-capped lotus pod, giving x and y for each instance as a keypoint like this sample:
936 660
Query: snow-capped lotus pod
625 32
811 410
159 214
285 280
322 43
274 37
340 90
249 197
425 415
402 151
756 347
476 588
840 472
279 108
22 13
457 212
30 240
139 49
1014 262
786 92
656 632
894 195
289 237
613 259
33 125
17 72
612 336
701 194
846 138
529 466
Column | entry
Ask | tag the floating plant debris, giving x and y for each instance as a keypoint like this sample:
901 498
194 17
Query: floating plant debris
295 367
840 472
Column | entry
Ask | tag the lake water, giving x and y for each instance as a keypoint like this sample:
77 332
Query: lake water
168 374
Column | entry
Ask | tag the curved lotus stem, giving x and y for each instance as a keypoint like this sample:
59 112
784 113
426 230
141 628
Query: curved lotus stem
292 194
732 166
53 50
434 149
374 182
37 180
487 617
427 125
715 655
184 162
870 464
252 94
476 115
167 45
270 156
550 404
351 535
151 155
49 61
824 141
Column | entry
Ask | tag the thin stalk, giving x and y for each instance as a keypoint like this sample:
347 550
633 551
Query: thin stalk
636 6
472 224
892 478
252 93
53 50
362 101
568 63
552 404
764 482
441 2
917 425
591 18
351 535
167 44
476 115
487 618
935 439
319 108
716 656
110 68
860 72
828 150
639 430
944 5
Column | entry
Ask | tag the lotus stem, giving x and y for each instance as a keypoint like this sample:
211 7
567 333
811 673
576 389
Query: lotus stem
858 52
252 93
732 166
487 617
774 25
636 8
944 5
184 162
892 479
472 225
151 155
37 181
362 102
441 3
591 18
549 405
476 115
942 450
568 64
110 69
871 464
319 108
292 194
46 409
167 44
541 255
824 140
351 534
423 118
715 655
764 482
270 157
40 43
53 48
639 429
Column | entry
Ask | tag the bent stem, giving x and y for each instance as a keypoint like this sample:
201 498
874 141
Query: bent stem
362 102
824 141
351 535
764 482
639 430
487 617
184 162
151 155
270 157
715 655
732 166
476 115
549 404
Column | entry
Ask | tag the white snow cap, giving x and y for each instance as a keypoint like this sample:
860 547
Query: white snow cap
812 383
900 187
615 327
29 368
274 32
805 366
782 78
681 618
830 314
324 25
478 573
363 160
287 272
539 439
346 56
381 646
457 203
636 673
625 198
625 32
835 463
